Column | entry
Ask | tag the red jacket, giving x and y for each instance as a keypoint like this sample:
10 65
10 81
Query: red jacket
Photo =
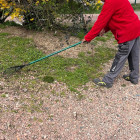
119 17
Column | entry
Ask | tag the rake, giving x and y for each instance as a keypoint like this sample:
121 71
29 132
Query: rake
14 69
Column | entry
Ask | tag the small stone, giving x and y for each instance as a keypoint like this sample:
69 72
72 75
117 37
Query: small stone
75 115
137 95
81 127
6 95
46 108
117 115
124 98
17 105
25 90
44 137
34 137
25 134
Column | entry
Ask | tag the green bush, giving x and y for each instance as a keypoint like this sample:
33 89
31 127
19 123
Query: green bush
53 14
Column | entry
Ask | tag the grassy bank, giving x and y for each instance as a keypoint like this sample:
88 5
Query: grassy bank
72 71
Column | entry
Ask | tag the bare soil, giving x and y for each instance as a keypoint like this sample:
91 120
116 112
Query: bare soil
49 42
53 112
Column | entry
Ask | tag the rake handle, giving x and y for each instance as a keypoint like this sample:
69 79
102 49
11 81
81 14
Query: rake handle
55 53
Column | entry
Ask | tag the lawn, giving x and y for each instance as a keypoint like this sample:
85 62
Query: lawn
72 71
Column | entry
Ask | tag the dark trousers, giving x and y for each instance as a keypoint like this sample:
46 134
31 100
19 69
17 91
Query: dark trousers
129 50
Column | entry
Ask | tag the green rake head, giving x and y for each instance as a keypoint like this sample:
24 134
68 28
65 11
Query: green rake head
12 70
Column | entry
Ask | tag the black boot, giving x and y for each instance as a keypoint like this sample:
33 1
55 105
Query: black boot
128 78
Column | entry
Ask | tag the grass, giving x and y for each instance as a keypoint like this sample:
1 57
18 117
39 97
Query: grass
3 95
48 79
17 50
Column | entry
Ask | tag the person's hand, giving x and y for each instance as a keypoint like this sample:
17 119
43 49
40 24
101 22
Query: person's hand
84 41
102 32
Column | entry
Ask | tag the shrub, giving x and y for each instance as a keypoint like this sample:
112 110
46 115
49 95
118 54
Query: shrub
48 14
51 14
9 8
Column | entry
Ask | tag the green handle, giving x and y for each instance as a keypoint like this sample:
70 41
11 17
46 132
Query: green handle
55 53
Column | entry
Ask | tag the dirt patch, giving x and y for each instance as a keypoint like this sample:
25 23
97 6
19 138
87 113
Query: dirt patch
49 42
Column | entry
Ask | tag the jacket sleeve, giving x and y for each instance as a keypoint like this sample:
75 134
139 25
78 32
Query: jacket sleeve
102 21
106 29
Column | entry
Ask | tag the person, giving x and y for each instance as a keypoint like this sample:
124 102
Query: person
118 16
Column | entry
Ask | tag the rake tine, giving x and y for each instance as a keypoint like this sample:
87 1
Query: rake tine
14 69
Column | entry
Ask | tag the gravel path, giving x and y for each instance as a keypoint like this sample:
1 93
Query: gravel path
53 112
104 114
